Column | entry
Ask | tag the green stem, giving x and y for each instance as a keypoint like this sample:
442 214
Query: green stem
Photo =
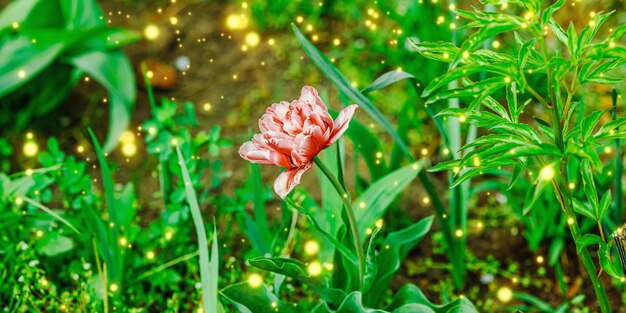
351 217
566 197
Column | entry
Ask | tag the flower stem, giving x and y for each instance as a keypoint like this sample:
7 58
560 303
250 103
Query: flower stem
351 217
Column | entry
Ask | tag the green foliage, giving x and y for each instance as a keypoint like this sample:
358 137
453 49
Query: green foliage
54 44
548 147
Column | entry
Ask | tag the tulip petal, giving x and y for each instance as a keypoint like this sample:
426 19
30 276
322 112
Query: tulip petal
341 123
260 155
289 179
310 96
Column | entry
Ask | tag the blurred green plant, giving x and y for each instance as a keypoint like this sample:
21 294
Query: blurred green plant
50 46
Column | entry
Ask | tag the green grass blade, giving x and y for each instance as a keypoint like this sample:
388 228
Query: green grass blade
51 213
115 265
207 269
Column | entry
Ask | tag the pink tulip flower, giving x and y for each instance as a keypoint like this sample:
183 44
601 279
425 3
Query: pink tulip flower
292 134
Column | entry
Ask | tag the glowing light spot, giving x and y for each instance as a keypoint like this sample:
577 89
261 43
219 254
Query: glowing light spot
379 223
29 172
207 107
236 21
123 241
476 161
465 54
15 25
362 205
113 287
19 201
458 233
255 280
150 255
452 26
311 247
446 151
174 142
149 74
379 155
21 74
570 220
547 173
495 44
169 235
462 118
507 80
524 25
151 32
244 48
30 149
271 41
39 233
505 294
299 19
252 39
173 20
314 268
440 20
456 170
607 150
572 185
539 259
424 151
426 200
336 41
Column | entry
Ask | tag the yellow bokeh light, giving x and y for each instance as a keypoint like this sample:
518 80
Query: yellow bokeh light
252 39
30 149
151 32
150 255
173 20
113 287
311 247
547 173
314 268
255 280
505 294
236 21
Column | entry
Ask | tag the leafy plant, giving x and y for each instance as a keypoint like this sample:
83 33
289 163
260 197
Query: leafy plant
54 44
547 151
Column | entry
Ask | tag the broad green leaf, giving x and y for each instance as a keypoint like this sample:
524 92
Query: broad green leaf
558 31
298 271
584 209
114 72
394 249
589 123
353 303
386 80
604 253
411 294
550 10
247 299
605 203
27 61
54 244
589 185
16 11
588 240
374 201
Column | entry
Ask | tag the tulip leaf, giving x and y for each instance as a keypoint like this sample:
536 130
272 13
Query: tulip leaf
248 299
375 200
386 80
394 249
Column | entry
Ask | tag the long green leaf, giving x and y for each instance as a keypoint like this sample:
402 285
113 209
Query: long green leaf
209 284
